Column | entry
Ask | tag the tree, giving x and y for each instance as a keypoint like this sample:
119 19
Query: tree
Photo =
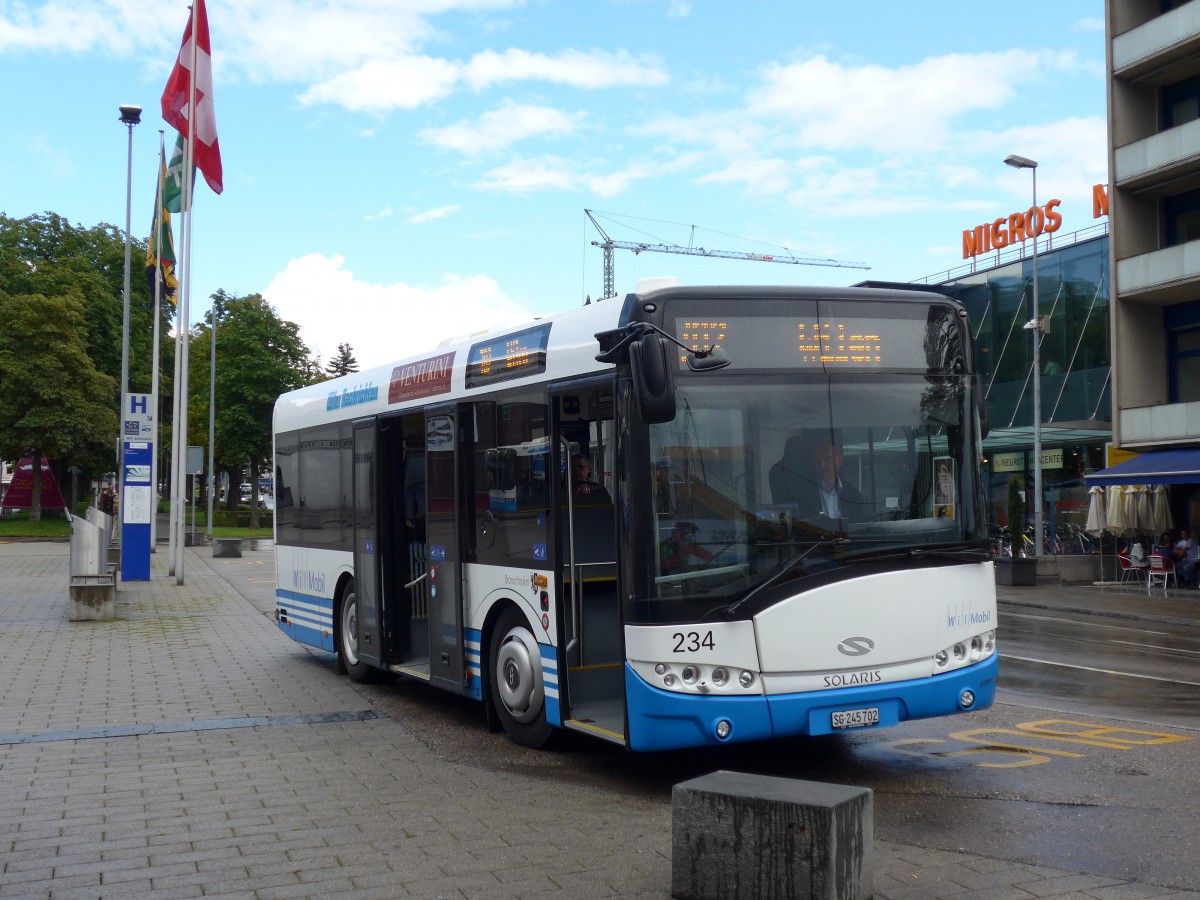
342 364
46 256
54 401
259 357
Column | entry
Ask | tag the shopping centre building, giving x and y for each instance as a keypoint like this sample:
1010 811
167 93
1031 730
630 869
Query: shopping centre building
1076 383
1073 293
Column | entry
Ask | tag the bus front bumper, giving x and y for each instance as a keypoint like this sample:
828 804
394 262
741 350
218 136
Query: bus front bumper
664 720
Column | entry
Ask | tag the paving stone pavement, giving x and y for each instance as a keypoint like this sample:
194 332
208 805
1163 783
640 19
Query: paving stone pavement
189 749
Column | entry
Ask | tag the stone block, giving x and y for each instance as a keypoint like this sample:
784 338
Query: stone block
736 835
92 598
230 548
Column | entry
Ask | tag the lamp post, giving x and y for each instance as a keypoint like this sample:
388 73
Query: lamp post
1034 326
130 116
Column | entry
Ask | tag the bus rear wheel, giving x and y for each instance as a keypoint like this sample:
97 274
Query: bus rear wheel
518 692
347 642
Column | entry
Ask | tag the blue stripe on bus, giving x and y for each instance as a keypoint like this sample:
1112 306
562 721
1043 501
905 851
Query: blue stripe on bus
550 681
472 643
664 720
305 618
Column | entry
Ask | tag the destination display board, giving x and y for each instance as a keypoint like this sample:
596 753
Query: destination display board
514 355
853 340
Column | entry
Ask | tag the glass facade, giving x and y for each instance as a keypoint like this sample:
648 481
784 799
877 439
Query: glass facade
1073 291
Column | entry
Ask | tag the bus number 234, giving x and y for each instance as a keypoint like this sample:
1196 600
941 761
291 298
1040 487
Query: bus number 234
693 641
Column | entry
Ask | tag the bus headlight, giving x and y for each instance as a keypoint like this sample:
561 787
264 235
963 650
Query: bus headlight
966 652
698 678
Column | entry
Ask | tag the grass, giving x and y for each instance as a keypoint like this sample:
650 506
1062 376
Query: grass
51 526
259 533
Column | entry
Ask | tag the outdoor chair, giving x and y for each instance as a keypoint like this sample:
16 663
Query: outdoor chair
1159 572
1128 570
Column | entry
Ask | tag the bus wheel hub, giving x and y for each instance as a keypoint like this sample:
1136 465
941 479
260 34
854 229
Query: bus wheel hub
519 672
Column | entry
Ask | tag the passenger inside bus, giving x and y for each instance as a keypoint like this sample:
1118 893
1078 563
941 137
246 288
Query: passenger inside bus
581 480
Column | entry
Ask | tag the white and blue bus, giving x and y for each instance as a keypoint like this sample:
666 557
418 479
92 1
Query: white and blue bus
786 532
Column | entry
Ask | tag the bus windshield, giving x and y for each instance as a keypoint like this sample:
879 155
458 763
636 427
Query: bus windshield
767 484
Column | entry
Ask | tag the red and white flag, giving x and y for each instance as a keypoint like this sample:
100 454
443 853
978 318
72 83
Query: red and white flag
176 98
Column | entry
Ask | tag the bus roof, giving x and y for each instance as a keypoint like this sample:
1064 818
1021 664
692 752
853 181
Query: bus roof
568 348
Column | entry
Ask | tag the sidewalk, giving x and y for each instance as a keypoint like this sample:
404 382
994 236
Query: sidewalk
190 749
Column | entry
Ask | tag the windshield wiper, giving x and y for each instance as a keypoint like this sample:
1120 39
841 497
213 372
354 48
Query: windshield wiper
732 609
959 555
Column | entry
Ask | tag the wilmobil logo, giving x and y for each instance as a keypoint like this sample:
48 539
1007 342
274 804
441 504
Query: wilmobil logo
309 582
963 617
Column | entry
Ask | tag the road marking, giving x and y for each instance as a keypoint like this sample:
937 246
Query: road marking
1158 647
1076 622
1062 665
982 741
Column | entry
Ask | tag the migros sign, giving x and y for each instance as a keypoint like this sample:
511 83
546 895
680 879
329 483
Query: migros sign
1012 229
1018 226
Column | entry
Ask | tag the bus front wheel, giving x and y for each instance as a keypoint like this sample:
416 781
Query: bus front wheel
518 693
348 638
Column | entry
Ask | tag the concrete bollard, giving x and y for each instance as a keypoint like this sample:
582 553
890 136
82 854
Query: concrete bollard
736 835
230 548
91 598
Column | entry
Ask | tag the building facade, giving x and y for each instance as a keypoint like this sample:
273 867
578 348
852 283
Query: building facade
1073 292
1153 62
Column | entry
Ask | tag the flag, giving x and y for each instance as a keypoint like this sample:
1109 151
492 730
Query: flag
176 98
160 236
173 182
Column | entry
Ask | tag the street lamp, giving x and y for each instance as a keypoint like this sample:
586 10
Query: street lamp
130 116
1035 326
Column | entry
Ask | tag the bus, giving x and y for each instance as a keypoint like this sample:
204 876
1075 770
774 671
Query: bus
791 538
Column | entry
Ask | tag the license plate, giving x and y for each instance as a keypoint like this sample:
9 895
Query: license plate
856 718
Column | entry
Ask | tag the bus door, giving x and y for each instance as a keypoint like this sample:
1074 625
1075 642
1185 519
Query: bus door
443 511
366 542
593 653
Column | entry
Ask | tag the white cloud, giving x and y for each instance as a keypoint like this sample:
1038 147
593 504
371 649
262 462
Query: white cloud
1089 24
499 128
908 108
379 86
382 214
384 322
596 69
524 175
431 215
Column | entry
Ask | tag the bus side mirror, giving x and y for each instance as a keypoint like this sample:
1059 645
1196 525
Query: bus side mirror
654 385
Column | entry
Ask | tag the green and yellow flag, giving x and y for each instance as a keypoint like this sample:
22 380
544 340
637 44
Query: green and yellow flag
160 251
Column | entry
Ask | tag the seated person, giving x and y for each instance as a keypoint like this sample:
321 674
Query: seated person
586 490
1187 555
809 475
680 549
1164 548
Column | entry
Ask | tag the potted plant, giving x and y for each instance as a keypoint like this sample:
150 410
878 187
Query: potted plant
1016 569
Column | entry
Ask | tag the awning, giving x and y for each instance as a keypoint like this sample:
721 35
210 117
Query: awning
1153 467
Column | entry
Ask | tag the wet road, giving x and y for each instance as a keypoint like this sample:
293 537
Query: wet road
1121 667
1087 762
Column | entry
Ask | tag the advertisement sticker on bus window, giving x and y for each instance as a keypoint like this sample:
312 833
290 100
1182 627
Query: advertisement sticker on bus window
423 378
439 433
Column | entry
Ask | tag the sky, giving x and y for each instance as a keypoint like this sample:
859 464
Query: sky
397 172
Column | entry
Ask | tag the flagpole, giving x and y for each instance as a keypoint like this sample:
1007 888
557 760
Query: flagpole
188 156
212 412
157 343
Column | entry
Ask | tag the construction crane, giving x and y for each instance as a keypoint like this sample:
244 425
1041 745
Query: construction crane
608 245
